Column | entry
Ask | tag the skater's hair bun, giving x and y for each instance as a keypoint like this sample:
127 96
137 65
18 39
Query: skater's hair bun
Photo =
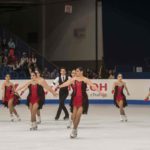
34 73
8 75
119 74
80 68
38 71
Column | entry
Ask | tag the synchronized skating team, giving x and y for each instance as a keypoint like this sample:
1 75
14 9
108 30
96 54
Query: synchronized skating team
79 99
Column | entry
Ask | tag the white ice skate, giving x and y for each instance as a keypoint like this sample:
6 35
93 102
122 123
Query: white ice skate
73 134
11 118
121 118
125 118
39 120
18 119
69 124
33 126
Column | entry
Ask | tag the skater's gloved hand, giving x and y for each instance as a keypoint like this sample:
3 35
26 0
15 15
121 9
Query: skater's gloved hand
21 93
57 88
113 91
146 99
46 92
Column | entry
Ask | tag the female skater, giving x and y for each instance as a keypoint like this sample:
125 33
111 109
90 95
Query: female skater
119 97
73 74
9 97
79 103
40 80
35 99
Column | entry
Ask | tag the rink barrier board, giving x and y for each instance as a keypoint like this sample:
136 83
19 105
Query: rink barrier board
138 89
93 101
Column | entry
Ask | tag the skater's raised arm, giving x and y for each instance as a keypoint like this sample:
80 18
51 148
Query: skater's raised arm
23 90
67 83
89 82
24 86
47 87
113 88
13 87
3 86
3 90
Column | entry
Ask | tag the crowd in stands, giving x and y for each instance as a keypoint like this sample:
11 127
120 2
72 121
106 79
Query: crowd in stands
12 62
19 64
7 51
90 73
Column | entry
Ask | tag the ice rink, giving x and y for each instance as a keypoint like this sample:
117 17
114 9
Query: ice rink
99 130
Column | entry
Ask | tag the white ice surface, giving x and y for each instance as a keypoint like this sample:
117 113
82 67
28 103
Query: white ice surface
99 130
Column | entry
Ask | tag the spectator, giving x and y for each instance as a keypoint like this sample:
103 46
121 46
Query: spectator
11 44
111 74
24 64
16 66
54 74
5 52
29 62
24 59
89 73
5 61
102 71
11 52
95 75
4 44
34 59
46 73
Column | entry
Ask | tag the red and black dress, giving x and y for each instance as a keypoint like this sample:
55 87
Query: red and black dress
36 95
9 95
119 95
79 96
73 89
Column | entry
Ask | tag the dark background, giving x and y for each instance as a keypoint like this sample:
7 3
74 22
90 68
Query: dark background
46 28
126 28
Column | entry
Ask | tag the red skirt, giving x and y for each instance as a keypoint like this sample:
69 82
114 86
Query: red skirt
34 100
8 97
15 97
77 101
119 97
